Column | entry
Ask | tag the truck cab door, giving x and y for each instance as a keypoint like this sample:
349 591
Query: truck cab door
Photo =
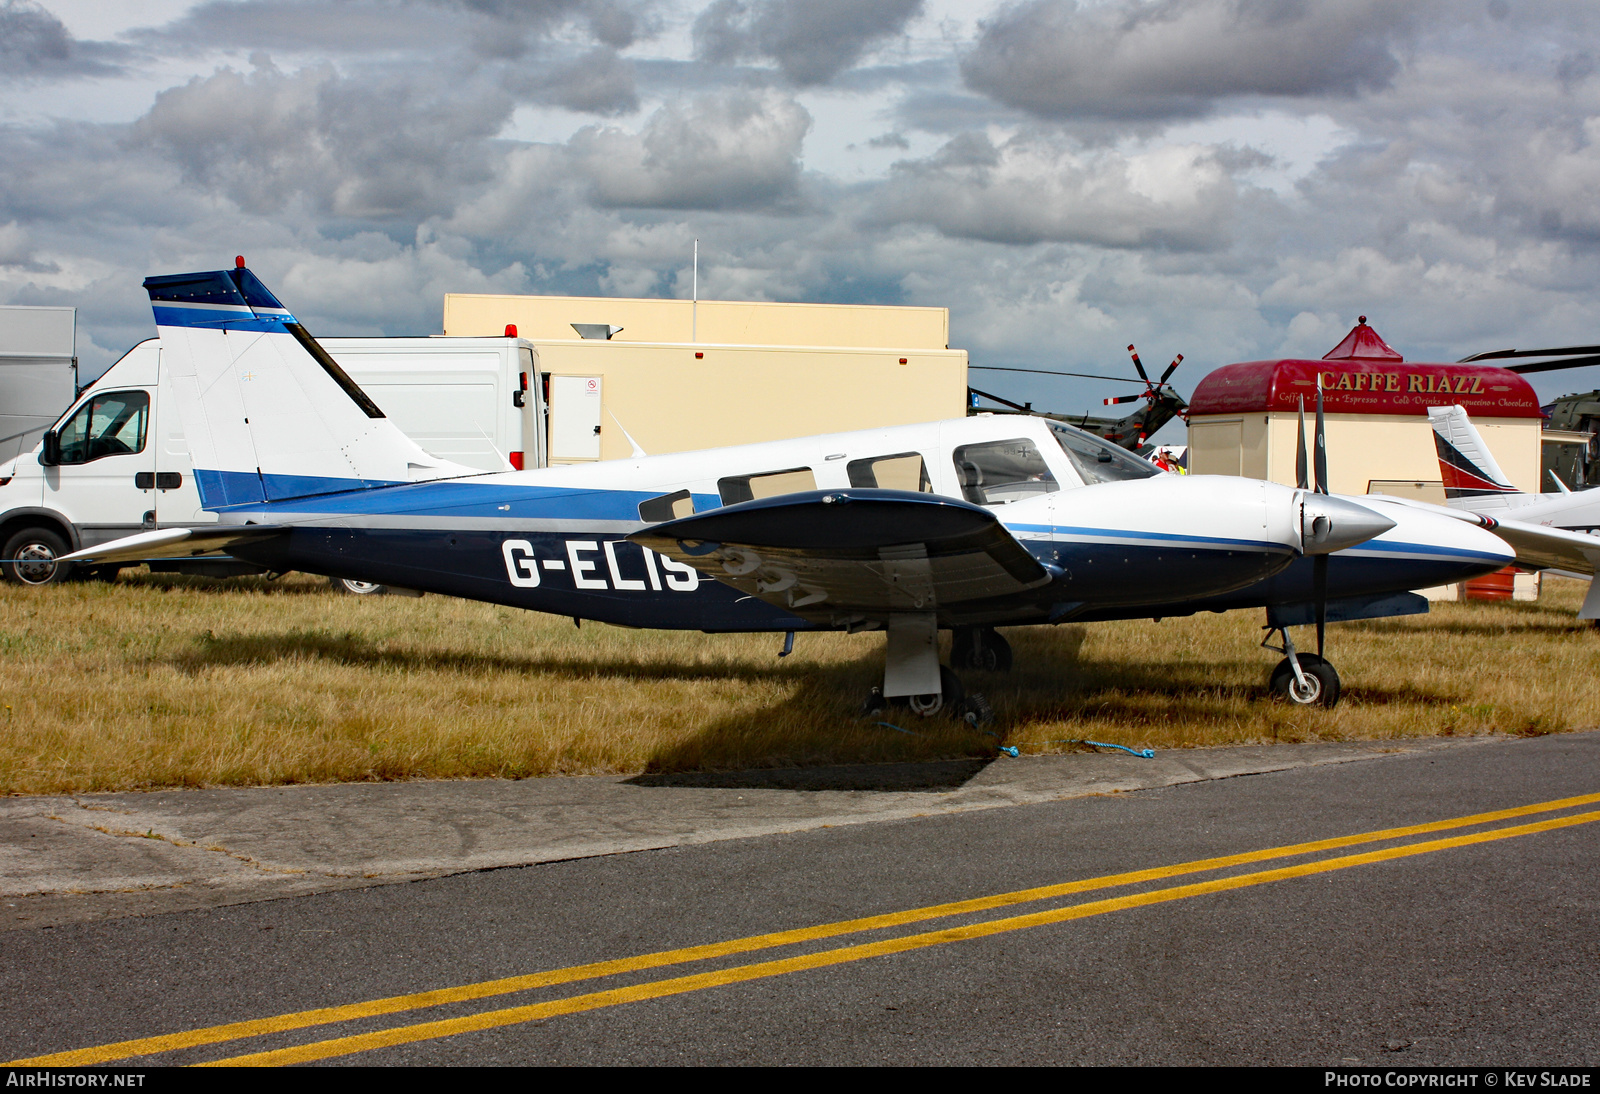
104 481
176 499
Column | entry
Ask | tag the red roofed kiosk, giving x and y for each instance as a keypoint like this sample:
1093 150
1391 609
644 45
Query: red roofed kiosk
1244 418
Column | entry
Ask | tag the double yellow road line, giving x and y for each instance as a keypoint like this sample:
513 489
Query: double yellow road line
679 985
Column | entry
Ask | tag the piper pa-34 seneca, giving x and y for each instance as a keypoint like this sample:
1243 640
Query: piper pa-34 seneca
967 524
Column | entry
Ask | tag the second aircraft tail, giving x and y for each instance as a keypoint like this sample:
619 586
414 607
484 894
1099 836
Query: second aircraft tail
268 413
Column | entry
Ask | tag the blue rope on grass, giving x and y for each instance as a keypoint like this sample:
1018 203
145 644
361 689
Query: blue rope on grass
897 729
1142 753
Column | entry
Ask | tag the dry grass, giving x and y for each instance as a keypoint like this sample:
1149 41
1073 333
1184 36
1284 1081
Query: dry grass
163 681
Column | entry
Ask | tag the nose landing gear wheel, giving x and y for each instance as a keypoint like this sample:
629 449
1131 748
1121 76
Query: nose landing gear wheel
1321 687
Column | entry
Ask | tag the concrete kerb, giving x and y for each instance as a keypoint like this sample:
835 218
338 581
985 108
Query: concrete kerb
99 856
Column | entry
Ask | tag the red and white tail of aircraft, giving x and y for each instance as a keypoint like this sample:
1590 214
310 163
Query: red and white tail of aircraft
1559 532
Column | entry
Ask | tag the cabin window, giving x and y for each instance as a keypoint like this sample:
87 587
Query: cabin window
1097 460
765 484
1002 471
666 507
903 471
113 424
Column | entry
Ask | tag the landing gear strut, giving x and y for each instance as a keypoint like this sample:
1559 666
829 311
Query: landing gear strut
1304 679
980 648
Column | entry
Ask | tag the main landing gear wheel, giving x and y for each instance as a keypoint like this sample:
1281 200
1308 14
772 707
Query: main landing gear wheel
951 696
357 588
981 649
1321 686
950 691
30 558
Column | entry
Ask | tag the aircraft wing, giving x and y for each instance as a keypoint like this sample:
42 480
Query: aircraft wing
1542 548
1538 546
175 543
860 551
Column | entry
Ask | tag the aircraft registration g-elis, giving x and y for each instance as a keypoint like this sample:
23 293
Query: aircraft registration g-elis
969 524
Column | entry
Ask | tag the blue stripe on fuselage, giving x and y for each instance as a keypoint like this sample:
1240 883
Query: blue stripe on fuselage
452 498
1154 537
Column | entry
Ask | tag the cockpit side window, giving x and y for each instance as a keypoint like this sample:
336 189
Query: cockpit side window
902 471
1100 461
1000 472
765 484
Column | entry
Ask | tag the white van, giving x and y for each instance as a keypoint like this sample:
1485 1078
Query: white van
117 463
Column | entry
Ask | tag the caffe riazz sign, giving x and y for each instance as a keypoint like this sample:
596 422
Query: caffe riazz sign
1363 375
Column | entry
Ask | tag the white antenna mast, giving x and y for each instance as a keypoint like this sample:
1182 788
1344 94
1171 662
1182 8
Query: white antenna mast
694 305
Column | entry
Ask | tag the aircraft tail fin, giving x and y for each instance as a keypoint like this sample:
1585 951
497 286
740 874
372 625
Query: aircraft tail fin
1465 464
269 415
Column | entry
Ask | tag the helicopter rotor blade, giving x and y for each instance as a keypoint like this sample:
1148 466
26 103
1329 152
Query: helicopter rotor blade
1176 361
1123 399
1138 364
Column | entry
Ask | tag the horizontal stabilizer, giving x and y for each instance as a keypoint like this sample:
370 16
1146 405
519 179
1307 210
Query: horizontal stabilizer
870 551
176 543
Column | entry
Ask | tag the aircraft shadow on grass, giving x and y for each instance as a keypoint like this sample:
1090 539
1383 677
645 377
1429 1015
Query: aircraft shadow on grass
833 748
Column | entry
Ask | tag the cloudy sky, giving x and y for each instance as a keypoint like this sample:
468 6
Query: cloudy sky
1228 179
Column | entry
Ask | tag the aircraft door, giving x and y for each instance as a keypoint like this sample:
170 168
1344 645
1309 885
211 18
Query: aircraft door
104 478
575 403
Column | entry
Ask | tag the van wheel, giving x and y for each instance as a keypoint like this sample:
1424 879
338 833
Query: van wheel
30 558
357 588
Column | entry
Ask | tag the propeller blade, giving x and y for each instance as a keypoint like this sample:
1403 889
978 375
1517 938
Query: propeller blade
1301 471
1321 454
1138 364
1176 361
1319 579
1123 399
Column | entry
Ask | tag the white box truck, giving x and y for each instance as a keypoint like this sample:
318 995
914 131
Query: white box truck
117 462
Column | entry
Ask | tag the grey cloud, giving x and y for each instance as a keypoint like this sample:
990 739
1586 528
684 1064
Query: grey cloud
1141 59
1032 189
33 42
597 82
370 149
737 150
491 29
811 40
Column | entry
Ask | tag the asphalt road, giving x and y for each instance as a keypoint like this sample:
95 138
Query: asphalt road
1470 944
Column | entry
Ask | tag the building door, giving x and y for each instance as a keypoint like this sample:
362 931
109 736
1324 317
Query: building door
575 403
1217 447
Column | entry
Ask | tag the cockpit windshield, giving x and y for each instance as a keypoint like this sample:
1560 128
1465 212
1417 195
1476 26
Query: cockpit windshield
1097 460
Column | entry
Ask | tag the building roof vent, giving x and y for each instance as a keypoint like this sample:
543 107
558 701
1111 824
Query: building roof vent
601 331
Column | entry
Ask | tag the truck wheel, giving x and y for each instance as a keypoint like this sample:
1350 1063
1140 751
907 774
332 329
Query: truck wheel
357 588
30 558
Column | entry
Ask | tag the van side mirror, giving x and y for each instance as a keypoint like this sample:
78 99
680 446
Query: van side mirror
50 453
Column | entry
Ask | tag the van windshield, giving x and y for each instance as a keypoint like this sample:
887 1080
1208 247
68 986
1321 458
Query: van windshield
1100 461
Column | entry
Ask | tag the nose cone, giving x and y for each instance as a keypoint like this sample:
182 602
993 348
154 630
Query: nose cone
1329 524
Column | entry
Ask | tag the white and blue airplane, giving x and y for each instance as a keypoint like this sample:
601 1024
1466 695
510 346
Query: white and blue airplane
969 524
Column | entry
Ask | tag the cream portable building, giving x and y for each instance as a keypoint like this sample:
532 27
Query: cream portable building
1244 419
635 375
